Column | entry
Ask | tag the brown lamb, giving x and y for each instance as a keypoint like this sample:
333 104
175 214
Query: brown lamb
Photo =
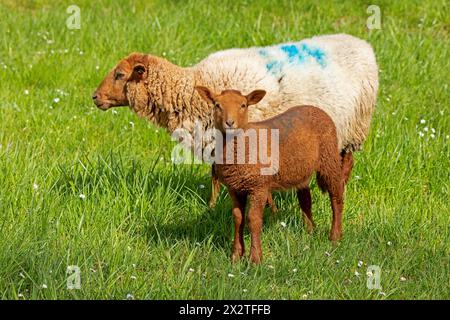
307 143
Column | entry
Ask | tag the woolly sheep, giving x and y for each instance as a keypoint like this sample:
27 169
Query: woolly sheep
306 142
338 73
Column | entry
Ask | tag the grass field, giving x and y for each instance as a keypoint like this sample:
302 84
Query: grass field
95 189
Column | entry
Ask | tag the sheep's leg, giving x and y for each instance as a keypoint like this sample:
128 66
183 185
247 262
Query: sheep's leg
255 222
215 187
272 205
239 202
337 204
304 198
347 165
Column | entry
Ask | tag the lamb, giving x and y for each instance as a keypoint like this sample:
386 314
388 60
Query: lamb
337 73
307 143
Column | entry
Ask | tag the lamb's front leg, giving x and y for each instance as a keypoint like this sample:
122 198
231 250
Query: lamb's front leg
215 187
239 202
255 223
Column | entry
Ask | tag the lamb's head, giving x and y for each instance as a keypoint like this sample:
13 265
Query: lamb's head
230 106
112 91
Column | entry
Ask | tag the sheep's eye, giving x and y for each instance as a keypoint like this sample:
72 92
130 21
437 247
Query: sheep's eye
243 106
118 76
217 105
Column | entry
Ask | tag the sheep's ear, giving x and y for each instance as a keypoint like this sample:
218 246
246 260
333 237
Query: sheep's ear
205 94
255 96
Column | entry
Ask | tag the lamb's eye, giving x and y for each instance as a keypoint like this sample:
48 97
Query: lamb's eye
217 106
243 106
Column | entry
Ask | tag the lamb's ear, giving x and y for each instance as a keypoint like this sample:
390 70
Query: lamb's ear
255 96
205 94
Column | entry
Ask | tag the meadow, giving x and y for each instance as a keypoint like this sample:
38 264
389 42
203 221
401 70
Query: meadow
97 190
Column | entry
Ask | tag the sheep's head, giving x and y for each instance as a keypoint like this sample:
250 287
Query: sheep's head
230 106
112 92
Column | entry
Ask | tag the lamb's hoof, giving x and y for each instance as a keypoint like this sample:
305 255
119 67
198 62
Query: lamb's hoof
335 238
255 259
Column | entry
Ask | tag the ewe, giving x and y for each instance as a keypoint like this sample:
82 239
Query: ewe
337 73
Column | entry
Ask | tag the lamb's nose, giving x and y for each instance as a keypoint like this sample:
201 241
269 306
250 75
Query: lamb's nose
230 123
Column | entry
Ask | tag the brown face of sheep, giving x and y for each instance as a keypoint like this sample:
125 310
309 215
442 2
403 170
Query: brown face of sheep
230 107
112 91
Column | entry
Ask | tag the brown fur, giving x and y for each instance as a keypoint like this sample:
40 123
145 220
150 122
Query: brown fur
308 143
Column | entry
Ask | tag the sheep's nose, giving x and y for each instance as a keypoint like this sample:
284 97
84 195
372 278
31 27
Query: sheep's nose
230 123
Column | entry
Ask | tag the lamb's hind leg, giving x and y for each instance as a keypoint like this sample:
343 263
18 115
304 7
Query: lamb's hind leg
330 178
304 198
215 188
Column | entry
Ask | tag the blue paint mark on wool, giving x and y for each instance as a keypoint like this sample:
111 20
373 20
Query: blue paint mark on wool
315 53
295 54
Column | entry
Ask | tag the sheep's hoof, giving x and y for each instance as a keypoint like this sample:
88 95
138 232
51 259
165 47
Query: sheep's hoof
235 257
212 203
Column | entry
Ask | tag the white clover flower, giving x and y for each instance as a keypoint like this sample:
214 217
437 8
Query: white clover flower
230 275
294 270
433 130
26 92
422 121
132 124
191 270
201 186
97 67
35 186
432 136
244 290
357 273
82 196
382 293
389 243
283 224
270 267
114 112
56 100
425 129
369 273
305 296
133 277
421 134
360 263
44 286
130 296
327 253
402 279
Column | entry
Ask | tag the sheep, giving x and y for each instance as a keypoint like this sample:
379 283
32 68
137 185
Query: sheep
337 73
307 143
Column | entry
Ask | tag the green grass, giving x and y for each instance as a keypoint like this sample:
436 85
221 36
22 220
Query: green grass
144 224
